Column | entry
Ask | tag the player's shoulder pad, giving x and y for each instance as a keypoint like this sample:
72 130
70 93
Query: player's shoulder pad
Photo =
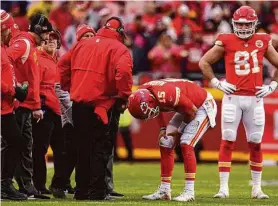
266 38
222 39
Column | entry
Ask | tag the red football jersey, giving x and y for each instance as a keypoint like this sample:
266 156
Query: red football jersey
244 61
176 94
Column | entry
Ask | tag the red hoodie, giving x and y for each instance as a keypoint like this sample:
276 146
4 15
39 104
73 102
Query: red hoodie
48 74
22 54
7 84
101 68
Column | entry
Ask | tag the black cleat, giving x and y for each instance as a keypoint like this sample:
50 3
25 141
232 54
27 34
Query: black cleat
44 191
8 192
115 194
69 189
58 193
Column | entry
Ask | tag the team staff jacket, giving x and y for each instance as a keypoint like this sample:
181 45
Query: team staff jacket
100 69
64 66
7 83
22 54
48 76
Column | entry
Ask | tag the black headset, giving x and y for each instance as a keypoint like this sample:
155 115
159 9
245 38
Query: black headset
38 27
121 29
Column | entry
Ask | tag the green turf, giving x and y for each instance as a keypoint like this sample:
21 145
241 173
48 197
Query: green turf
136 180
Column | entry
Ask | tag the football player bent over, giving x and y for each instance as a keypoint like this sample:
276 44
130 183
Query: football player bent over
195 113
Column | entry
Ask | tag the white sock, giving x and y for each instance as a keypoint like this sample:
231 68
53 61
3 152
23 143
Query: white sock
224 180
256 178
165 185
189 185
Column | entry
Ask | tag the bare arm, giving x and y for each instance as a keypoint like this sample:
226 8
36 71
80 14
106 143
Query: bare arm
272 57
212 56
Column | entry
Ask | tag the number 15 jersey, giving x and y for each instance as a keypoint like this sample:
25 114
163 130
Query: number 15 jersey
244 61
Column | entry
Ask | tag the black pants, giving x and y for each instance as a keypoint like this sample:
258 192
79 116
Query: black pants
47 131
24 168
12 144
113 131
126 135
70 151
93 149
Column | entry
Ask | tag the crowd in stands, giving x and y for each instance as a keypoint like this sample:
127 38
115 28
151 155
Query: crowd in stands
166 38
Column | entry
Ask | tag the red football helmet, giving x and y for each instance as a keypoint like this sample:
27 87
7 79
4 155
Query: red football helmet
244 22
143 105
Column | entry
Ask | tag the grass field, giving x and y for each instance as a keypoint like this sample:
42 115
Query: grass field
136 180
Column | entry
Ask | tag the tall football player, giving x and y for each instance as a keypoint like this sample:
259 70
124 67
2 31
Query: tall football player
195 113
243 51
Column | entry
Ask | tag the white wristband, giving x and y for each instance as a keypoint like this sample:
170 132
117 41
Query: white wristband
214 82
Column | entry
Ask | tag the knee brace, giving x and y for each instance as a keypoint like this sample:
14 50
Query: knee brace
229 135
256 137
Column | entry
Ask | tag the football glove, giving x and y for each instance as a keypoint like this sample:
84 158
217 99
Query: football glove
224 86
266 89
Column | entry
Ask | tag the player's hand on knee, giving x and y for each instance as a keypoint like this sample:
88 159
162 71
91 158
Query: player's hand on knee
265 90
224 86
162 133
176 135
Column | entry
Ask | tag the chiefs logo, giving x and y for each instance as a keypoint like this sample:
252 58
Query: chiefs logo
259 43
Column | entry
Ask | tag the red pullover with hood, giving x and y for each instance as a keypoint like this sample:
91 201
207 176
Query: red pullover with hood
22 53
101 68
48 77
7 83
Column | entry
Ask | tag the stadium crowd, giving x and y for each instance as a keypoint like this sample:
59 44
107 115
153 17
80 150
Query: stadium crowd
166 39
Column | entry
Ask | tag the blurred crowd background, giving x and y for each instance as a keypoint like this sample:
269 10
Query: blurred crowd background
166 38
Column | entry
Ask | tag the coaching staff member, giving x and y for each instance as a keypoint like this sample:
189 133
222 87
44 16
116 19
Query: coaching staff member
101 77
10 132
22 54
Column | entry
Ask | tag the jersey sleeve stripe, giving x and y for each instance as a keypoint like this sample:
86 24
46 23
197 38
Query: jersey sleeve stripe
178 94
27 51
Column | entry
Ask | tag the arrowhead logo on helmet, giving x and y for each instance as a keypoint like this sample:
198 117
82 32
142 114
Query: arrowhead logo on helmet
244 22
143 105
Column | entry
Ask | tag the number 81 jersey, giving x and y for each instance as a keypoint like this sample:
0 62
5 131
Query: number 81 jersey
244 61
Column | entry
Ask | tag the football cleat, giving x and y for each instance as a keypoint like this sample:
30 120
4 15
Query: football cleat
258 194
186 196
222 194
160 194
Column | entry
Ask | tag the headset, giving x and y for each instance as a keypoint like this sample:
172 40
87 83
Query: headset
121 29
38 27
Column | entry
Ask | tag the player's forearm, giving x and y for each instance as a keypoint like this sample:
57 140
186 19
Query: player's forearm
207 70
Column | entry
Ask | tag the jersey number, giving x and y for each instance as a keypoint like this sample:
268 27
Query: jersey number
161 96
242 64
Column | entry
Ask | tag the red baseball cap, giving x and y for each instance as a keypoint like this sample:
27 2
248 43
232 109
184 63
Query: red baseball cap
83 29
6 20
115 23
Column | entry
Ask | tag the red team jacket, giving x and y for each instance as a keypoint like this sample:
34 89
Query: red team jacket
64 66
100 69
48 74
22 53
177 95
244 61
7 84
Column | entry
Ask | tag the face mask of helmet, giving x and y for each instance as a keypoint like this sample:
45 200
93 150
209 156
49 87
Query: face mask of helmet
244 30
